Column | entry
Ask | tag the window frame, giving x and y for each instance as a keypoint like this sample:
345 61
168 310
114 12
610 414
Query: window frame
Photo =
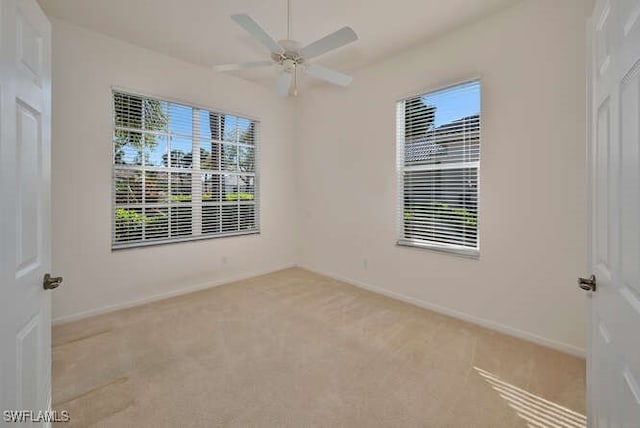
452 249
175 240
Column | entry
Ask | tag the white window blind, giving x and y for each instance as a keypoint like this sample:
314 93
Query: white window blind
438 154
181 172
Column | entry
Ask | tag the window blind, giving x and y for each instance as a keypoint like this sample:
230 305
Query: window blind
181 172
438 155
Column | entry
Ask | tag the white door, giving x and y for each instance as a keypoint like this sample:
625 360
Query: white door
614 349
25 132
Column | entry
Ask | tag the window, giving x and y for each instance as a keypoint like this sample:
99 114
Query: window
438 154
180 172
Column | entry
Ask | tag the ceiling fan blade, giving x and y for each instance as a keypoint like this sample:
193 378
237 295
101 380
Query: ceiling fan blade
242 66
256 31
328 75
284 83
342 37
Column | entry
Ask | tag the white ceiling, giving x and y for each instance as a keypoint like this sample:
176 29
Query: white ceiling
201 32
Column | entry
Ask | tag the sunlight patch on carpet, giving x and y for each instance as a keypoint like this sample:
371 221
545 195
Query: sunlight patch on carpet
535 410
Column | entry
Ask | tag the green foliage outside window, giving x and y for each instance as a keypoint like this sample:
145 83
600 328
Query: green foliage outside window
444 211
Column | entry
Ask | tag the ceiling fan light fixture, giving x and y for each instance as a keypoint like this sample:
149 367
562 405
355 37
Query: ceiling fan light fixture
289 65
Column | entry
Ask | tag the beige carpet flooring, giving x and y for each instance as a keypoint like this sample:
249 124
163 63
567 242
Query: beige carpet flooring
296 349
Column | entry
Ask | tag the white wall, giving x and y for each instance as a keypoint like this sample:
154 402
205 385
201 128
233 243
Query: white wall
531 58
85 67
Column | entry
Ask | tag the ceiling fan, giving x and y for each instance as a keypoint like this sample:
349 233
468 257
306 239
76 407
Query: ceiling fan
291 55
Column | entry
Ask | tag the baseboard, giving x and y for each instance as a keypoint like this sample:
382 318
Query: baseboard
161 296
492 325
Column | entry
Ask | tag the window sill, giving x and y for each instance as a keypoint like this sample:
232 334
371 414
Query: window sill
152 243
469 253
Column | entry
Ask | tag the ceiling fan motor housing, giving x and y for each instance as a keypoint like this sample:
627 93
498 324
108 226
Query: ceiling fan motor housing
290 57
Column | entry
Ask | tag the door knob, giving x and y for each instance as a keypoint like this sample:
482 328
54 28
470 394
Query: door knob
51 282
587 284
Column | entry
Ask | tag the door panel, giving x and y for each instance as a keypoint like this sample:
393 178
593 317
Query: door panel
25 138
28 369
630 10
630 190
603 182
29 48
631 405
602 39
28 178
614 348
